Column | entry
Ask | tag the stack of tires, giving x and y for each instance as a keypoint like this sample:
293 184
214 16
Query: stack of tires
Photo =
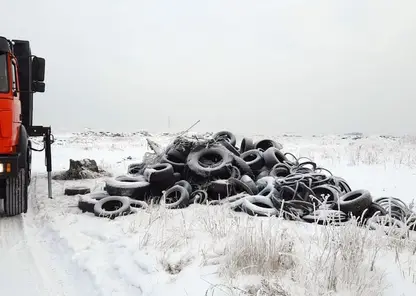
256 177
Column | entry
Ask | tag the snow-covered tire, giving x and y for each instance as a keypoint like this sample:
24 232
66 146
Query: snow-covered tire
389 225
221 167
134 187
181 202
75 190
323 217
112 207
158 172
258 205
355 202
140 204
86 202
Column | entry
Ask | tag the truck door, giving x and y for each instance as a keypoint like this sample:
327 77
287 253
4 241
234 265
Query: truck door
17 118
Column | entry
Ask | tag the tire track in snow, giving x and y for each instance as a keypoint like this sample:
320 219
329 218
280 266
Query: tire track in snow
18 272
32 264
92 269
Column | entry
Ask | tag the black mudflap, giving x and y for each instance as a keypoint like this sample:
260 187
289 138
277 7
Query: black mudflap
15 200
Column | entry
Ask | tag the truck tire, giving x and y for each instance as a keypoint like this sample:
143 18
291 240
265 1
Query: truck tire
15 201
16 197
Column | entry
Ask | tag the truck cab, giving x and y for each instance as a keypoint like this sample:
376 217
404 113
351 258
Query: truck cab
21 75
10 106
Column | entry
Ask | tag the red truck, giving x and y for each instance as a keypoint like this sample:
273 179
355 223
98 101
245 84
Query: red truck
21 75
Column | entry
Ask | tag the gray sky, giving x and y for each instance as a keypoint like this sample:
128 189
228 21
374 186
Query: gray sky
248 66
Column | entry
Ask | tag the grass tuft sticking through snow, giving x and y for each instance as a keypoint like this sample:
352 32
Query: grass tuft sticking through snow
270 256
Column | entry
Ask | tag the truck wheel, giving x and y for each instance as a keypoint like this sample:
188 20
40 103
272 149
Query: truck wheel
15 200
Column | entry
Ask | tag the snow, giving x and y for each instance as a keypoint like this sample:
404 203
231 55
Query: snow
207 250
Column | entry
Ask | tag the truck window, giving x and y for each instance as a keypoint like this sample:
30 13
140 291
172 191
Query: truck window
14 81
4 81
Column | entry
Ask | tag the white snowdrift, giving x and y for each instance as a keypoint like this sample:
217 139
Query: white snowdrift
204 250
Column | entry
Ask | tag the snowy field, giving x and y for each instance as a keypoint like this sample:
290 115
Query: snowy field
208 250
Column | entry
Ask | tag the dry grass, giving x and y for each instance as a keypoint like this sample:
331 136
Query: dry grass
269 256
259 248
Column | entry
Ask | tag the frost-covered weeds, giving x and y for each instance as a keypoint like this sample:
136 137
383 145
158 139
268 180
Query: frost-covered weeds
270 256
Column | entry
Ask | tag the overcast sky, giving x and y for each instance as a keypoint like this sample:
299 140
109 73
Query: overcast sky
265 66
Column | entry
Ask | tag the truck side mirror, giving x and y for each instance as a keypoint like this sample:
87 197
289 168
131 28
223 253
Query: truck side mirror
38 86
38 69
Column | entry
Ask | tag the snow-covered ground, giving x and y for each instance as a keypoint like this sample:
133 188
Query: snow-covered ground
208 250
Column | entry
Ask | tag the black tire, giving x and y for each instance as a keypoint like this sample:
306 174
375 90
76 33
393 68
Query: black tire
177 177
112 207
178 165
219 189
229 147
75 190
273 156
133 187
16 195
280 170
186 185
254 159
181 202
373 209
235 172
158 172
264 172
243 166
355 202
226 135
247 144
16 188
136 168
176 155
86 202
239 186
250 183
325 190
222 160
266 144
341 183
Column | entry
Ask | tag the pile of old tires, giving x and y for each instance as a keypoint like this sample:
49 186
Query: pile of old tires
257 178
